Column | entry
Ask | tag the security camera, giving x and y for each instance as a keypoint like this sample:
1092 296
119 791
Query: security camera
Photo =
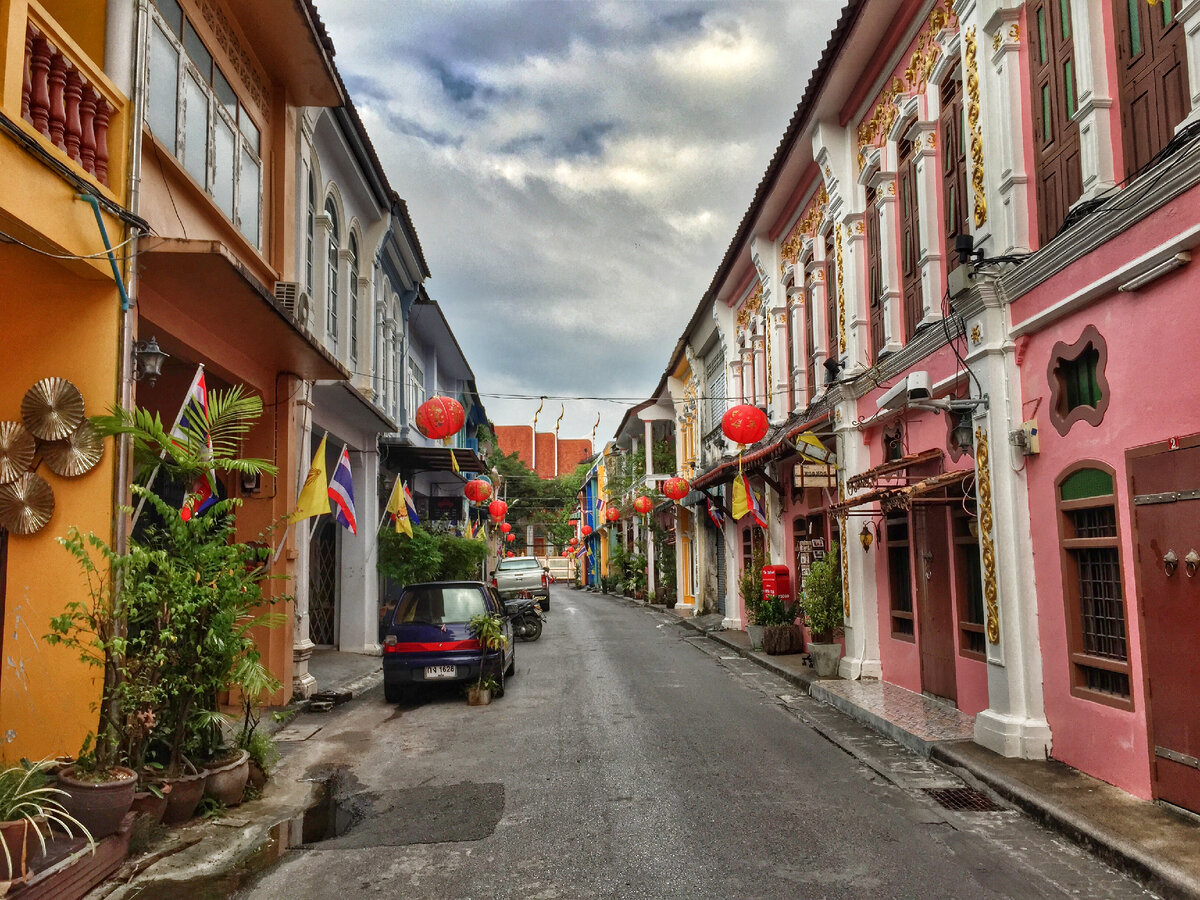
913 389
918 386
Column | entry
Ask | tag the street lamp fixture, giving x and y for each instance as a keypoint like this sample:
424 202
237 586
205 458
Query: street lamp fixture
148 360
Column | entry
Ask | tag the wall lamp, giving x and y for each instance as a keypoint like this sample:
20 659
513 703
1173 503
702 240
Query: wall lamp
867 536
832 367
1170 264
964 408
148 360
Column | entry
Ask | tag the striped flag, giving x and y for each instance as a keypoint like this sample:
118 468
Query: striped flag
341 493
714 514
193 416
412 507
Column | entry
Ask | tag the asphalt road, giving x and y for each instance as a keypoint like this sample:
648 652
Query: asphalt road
631 759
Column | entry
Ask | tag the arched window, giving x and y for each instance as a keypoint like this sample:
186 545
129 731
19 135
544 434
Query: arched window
353 299
310 230
331 277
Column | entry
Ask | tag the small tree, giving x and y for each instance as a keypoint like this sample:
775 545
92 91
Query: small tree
489 631
822 598
750 586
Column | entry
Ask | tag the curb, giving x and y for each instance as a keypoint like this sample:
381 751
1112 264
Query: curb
1158 874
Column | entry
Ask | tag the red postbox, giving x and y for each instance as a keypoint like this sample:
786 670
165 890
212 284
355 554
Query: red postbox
777 582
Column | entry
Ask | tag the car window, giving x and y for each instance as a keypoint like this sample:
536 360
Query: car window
436 605
519 564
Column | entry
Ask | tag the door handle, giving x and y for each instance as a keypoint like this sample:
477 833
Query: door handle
1191 561
1171 562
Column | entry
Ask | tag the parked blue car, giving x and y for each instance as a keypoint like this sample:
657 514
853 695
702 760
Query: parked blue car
428 641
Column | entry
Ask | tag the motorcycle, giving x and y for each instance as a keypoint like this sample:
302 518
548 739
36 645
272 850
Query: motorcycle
526 616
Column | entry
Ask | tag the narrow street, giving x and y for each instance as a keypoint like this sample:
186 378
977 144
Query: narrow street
631 757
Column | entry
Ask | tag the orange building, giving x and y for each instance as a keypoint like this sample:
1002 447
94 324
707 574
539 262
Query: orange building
64 129
543 452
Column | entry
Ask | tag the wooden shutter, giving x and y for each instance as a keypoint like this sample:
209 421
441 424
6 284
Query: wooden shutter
1055 136
1152 70
874 275
810 348
910 245
954 166
831 303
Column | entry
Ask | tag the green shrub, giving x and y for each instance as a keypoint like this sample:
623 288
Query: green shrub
822 597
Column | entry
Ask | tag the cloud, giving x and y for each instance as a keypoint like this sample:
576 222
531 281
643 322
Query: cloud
575 170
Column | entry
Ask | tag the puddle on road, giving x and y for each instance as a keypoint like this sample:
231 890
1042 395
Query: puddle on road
329 817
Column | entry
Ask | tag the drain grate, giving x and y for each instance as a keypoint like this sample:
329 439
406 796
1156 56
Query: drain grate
963 799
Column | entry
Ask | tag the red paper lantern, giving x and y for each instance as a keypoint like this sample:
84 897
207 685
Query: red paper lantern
744 424
510 537
643 504
498 509
505 527
585 530
477 490
510 553
440 417
676 488
573 541
612 514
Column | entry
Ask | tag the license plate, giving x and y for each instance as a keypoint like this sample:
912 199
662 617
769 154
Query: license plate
440 672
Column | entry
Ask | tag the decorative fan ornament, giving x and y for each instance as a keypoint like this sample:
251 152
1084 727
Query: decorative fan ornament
26 505
17 449
52 409
75 454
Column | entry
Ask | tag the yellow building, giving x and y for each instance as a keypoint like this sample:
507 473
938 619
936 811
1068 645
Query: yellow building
63 133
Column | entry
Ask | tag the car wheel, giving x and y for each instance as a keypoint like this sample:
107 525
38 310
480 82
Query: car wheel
500 690
512 667
395 693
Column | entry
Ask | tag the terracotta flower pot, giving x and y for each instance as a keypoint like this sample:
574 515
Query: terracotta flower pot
150 804
227 782
98 805
20 837
184 797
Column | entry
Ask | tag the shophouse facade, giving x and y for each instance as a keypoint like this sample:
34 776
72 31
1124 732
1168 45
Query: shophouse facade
65 120
1013 477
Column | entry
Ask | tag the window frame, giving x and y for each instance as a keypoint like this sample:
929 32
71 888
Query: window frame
909 214
242 146
1061 417
333 271
898 613
875 275
1077 658
954 164
353 297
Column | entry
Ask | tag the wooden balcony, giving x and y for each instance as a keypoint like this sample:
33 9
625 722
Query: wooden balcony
63 97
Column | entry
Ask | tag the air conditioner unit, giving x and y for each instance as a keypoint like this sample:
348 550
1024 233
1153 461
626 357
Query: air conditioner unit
303 308
296 301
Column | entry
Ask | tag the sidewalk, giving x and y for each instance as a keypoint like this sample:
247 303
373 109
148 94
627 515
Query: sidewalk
340 673
1152 842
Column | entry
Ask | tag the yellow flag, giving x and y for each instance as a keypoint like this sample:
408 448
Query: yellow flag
454 463
399 509
314 496
741 500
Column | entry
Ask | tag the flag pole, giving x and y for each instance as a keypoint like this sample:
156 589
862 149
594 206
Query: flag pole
279 549
154 472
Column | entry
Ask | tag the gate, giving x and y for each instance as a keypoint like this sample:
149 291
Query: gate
718 548
322 584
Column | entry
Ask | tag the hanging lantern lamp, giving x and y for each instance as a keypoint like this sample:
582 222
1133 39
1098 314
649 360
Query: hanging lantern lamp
477 490
505 527
439 417
744 424
510 537
612 514
643 504
676 488
585 530
497 509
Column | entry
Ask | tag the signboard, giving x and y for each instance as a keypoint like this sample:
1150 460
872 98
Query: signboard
818 475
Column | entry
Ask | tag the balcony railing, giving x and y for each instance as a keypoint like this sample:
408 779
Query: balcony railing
66 98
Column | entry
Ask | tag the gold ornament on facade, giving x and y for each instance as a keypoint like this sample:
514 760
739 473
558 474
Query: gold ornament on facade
996 39
980 208
976 335
76 454
1014 33
17 449
841 296
743 317
52 409
26 505
987 549
858 227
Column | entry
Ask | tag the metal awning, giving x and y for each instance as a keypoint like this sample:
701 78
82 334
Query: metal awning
892 467
431 459
901 497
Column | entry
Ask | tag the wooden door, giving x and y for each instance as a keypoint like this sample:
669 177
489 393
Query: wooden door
1166 488
1055 135
935 614
954 166
1152 70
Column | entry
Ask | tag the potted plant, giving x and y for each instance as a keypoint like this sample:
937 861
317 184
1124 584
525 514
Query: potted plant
489 631
822 604
750 589
29 806
777 618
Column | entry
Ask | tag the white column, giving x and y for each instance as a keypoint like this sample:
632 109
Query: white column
1014 724
1189 16
888 223
927 166
862 625
817 303
318 319
762 393
782 399
858 323
303 682
1094 95
358 629
802 391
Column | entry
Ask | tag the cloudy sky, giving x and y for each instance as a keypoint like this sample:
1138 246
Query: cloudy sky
575 170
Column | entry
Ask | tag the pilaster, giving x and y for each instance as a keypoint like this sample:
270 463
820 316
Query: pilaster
1094 111
1189 16
861 608
303 682
852 288
358 609
1004 102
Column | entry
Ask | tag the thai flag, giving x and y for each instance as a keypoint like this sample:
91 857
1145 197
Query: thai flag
341 493
194 416
756 508
412 507
715 515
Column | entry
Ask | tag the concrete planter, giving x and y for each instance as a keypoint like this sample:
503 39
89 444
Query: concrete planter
150 804
227 782
477 696
98 805
755 633
184 797
825 658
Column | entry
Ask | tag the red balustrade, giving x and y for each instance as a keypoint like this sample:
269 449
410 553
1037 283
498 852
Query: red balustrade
62 104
